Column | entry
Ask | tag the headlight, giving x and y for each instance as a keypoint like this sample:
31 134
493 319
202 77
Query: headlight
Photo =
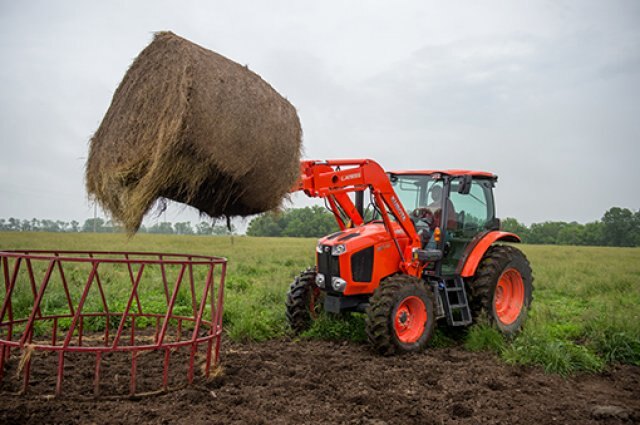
319 248
338 249
338 284
320 280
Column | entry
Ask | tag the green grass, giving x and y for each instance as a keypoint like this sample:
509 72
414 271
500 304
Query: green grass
585 313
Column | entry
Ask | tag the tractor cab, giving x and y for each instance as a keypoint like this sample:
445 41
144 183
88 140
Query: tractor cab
449 208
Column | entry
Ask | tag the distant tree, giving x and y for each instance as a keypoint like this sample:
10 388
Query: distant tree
74 226
93 224
621 227
203 228
267 224
183 228
299 222
13 224
593 234
512 225
164 227
571 234
220 230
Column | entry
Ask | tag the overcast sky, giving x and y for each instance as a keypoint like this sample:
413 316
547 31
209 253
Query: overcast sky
545 94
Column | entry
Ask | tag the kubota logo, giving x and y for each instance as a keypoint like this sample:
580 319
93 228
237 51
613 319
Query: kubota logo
351 176
396 204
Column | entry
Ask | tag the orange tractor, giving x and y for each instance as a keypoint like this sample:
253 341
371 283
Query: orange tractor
407 270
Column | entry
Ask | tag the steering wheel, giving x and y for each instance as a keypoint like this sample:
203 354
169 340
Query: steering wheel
423 214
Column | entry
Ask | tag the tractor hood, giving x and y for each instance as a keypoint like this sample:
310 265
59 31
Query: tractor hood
361 237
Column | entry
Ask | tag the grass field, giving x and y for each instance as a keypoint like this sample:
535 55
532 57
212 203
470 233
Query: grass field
585 314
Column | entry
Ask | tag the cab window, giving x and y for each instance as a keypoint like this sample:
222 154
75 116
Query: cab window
474 210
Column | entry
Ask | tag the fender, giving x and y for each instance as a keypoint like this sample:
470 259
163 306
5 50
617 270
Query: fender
476 250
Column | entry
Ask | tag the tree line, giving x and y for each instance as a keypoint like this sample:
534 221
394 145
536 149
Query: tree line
100 225
618 227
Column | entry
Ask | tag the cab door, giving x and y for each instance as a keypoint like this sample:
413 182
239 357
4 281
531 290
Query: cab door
474 213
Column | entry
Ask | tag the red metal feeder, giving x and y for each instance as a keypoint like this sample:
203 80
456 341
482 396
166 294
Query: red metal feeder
105 303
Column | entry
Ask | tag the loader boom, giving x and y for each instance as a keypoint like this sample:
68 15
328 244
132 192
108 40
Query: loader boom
334 179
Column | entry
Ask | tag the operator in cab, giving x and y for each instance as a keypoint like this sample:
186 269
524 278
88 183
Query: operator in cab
426 219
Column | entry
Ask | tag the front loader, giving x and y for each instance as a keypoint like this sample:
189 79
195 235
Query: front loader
408 270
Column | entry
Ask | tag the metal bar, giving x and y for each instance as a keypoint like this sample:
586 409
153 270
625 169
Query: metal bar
132 340
155 336
80 331
2 349
179 333
219 313
131 277
32 282
203 302
64 284
9 284
213 321
164 279
165 322
43 286
192 287
116 339
83 298
102 296
54 335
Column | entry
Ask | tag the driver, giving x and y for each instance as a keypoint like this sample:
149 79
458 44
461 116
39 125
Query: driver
436 208
426 219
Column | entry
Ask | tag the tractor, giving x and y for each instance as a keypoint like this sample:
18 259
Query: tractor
424 250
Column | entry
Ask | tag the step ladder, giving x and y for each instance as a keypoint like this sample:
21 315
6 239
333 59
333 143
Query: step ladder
454 299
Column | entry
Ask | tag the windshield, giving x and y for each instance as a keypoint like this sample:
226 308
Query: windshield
414 190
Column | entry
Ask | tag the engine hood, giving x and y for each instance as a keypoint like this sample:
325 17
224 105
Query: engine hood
363 236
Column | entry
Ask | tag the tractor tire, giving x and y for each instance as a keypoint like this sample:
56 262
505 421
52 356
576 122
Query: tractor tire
304 301
400 316
502 288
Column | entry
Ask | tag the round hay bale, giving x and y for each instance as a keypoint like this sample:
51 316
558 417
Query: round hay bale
190 125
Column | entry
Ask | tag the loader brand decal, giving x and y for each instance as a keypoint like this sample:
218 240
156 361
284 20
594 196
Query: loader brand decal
396 204
351 176
383 246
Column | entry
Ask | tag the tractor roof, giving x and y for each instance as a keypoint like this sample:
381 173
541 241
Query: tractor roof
447 172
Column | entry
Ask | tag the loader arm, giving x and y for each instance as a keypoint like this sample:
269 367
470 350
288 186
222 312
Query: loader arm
334 179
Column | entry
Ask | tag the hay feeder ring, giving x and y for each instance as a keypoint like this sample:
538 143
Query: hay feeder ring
98 306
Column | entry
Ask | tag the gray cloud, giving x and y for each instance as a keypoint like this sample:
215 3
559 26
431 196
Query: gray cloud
545 94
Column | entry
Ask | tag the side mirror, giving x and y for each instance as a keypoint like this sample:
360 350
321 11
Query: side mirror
465 185
493 224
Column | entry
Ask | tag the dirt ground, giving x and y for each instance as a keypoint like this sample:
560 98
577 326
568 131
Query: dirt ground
292 382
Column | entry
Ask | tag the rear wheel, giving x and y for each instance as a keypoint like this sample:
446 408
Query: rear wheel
400 316
502 288
304 301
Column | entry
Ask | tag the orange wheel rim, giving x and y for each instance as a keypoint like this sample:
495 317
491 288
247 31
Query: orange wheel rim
410 320
509 297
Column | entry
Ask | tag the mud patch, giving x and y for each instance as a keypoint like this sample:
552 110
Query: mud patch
283 382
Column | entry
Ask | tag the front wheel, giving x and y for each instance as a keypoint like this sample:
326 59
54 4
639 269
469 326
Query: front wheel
304 301
400 316
502 288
